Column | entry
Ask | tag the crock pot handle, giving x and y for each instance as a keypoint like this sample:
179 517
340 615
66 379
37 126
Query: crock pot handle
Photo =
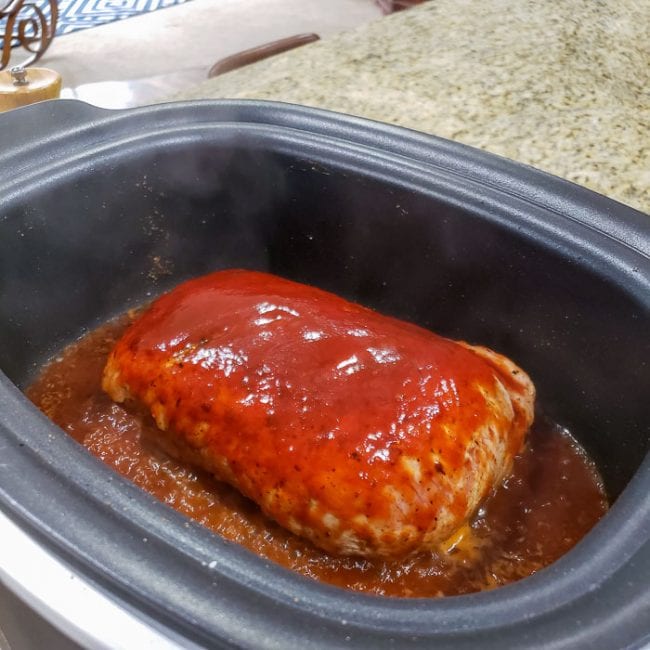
42 121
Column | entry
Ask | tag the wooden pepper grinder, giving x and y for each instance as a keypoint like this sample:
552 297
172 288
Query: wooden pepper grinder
21 86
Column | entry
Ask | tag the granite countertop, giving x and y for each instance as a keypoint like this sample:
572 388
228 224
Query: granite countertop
563 86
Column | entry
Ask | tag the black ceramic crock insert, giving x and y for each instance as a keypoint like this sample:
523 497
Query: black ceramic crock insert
100 211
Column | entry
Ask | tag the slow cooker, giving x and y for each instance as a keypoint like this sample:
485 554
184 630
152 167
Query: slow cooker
100 211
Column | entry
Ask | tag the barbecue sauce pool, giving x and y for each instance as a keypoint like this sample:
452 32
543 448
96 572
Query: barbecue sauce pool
552 498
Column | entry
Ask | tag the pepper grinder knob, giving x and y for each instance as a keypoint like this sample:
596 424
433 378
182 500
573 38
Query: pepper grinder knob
19 76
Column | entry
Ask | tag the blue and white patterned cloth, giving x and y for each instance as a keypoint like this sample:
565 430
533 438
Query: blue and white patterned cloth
81 14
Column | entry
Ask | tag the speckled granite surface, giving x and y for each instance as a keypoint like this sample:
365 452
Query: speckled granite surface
563 86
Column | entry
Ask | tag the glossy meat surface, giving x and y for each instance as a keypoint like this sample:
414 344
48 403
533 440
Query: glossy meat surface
367 435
